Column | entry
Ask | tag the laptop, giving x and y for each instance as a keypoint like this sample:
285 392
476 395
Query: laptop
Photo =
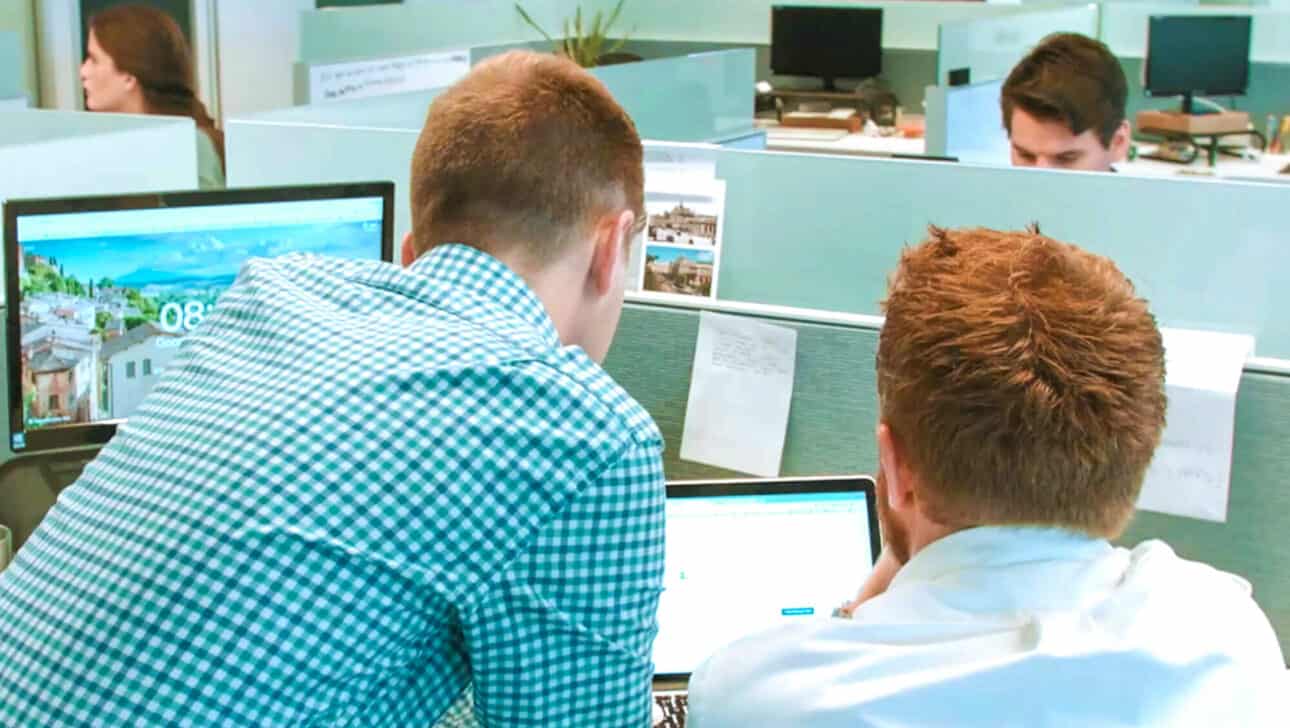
744 556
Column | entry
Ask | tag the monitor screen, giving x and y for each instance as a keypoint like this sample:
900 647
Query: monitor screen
102 290
739 564
1198 54
826 42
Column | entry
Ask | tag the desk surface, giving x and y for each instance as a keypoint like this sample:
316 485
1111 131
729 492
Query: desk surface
1265 167
828 141
824 141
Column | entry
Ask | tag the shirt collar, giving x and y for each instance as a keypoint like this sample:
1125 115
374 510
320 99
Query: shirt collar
468 270
994 546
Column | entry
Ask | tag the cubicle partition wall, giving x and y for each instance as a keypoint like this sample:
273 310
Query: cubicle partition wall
66 153
821 232
697 98
268 152
988 48
834 410
964 122
701 97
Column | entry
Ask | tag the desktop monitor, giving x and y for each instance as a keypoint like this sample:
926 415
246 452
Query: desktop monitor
1191 55
102 290
825 42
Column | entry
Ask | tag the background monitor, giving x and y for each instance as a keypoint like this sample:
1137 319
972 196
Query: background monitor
824 42
102 290
1197 54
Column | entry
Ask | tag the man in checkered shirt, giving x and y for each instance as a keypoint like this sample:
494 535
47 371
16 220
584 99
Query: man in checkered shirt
371 495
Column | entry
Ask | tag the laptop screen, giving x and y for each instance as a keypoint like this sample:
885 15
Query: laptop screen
102 290
741 563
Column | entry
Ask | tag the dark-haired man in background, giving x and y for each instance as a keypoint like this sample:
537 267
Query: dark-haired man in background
1063 106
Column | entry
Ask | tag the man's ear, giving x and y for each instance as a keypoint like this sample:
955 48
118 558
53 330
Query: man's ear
899 490
1120 142
612 237
407 252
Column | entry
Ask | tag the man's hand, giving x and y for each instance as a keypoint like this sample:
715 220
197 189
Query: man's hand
879 579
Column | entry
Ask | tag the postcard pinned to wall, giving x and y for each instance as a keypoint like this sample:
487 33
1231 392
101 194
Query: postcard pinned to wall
681 252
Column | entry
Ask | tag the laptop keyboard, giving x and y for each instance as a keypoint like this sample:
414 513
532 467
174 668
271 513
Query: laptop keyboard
669 709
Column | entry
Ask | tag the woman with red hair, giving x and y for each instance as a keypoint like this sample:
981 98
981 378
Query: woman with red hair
138 62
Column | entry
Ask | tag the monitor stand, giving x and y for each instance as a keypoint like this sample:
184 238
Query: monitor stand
1186 121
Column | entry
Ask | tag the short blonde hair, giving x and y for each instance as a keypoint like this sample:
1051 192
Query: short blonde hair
527 148
1024 378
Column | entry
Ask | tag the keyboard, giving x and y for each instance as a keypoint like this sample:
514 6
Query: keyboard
669 709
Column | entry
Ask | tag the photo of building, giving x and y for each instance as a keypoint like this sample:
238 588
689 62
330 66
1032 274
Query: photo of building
679 223
679 270
132 364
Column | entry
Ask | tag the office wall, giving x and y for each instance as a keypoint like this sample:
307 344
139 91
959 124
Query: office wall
834 410
259 43
906 25
12 82
339 34
989 47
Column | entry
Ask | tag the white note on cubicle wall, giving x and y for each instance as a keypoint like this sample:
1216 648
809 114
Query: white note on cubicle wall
1191 473
740 391
378 77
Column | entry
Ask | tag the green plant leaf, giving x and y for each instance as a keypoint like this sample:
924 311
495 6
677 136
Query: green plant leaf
533 23
615 46
613 17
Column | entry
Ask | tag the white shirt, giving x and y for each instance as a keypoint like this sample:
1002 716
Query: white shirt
1015 627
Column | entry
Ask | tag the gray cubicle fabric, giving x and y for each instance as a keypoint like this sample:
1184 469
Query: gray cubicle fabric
833 413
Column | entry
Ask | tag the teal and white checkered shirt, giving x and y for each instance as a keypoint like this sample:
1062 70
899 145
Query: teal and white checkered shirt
359 496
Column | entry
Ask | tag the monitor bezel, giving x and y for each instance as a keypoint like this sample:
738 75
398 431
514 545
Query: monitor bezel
1154 20
857 483
99 433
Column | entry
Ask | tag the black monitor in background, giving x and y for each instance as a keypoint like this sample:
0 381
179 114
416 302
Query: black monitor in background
824 42
1190 55
101 290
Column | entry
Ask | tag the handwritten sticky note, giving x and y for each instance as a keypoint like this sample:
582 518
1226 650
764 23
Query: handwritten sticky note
1192 470
740 391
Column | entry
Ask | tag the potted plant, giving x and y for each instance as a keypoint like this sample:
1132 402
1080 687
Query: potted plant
589 46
